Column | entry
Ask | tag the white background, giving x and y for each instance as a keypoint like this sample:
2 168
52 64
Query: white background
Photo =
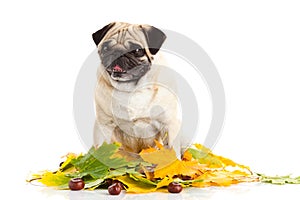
255 46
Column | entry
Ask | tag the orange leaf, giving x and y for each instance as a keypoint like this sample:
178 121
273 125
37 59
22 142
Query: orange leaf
167 164
187 156
162 157
185 168
159 145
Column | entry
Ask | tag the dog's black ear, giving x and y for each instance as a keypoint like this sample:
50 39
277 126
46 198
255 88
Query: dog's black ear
155 38
98 36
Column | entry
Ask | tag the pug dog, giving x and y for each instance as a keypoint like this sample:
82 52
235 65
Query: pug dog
132 106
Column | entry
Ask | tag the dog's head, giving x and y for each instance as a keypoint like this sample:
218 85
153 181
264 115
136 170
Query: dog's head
126 50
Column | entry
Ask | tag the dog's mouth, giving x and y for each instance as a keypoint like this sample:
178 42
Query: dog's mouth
120 73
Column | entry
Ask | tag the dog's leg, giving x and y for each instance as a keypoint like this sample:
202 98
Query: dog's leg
102 133
174 136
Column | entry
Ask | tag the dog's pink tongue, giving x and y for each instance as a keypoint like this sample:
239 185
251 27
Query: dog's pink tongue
117 68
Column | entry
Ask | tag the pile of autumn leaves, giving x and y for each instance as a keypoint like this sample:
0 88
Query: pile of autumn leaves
152 170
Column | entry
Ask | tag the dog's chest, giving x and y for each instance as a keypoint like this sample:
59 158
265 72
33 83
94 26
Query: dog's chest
130 106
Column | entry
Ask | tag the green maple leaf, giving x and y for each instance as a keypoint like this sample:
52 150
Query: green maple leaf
99 161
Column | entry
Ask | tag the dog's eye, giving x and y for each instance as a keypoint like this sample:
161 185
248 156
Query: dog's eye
104 48
139 52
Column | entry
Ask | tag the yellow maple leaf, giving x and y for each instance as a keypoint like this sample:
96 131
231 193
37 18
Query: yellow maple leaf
164 182
222 178
213 179
54 179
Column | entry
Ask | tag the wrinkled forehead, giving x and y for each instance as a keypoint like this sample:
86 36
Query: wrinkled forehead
126 34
